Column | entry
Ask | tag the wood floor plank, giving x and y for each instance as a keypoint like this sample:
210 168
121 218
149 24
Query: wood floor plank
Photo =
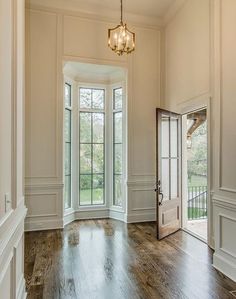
108 259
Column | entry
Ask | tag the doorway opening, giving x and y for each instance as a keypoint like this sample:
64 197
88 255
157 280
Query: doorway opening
194 173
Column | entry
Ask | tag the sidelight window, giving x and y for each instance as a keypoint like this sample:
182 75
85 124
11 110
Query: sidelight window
117 146
67 138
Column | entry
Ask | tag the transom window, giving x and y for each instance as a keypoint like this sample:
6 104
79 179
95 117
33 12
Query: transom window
91 146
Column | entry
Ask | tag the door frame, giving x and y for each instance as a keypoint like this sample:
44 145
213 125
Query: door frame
196 104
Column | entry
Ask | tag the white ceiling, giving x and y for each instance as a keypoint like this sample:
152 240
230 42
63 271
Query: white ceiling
94 72
148 12
154 8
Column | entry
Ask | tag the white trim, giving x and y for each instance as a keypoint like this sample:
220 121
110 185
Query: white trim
20 291
68 218
89 214
117 215
42 224
223 265
203 101
223 202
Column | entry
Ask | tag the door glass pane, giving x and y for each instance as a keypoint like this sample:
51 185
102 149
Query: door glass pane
98 127
85 158
67 125
117 190
117 158
174 137
165 178
98 158
85 189
85 98
174 178
85 127
98 98
67 158
165 136
117 100
98 189
118 127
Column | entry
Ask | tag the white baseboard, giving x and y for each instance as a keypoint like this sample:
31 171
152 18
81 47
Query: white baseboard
91 214
68 218
37 224
221 264
117 215
42 224
134 218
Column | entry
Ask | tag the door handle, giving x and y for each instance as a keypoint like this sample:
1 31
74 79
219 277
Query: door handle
158 184
162 196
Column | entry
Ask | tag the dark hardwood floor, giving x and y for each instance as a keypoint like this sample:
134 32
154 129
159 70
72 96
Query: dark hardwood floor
107 259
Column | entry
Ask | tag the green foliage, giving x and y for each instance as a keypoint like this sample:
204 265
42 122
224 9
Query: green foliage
197 155
196 213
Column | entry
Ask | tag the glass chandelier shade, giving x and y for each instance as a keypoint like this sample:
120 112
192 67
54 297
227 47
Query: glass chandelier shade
120 39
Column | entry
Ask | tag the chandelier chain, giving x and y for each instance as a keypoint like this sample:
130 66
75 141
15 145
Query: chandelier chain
121 9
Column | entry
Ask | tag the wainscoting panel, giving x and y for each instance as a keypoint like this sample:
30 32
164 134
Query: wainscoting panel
45 207
141 201
225 223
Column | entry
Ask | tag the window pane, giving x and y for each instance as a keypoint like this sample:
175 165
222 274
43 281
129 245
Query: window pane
118 127
165 178
117 158
98 98
174 137
67 95
165 136
98 189
67 158
174 178
67 192
98 127
98 158
85 158
85 98
67 125
117 190
117 101
85 127
85 189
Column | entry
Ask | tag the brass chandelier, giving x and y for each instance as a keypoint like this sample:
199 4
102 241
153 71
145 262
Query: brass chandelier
120 39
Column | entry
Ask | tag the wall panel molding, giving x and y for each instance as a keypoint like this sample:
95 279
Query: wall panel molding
220 70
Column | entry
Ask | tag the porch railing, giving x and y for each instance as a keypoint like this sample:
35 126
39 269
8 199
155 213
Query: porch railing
197 202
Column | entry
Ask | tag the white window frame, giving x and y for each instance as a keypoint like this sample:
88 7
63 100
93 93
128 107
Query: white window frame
70 82
108 122
114 86
104 206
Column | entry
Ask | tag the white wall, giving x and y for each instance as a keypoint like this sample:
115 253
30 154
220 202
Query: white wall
54 36
200 69
12 209
224 196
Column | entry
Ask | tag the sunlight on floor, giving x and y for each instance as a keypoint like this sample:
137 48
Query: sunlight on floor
198 227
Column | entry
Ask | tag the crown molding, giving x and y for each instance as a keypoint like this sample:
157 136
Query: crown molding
72 7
